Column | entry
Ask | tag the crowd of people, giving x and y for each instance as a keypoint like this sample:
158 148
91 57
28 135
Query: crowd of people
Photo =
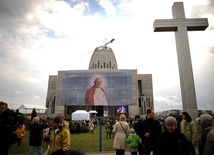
173 135
57 134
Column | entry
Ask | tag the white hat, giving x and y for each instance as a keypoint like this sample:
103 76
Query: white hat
132 131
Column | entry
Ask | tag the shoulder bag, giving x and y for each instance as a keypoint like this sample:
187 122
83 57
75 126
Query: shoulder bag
123 129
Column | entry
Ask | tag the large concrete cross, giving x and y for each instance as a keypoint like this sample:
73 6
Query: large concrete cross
181 25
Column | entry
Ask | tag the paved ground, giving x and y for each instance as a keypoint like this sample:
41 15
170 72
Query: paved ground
106 153
99 153
91 153
96 153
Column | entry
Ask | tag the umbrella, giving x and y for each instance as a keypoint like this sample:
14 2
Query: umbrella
92 112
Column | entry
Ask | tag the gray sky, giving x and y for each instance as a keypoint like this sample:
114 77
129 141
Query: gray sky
38 38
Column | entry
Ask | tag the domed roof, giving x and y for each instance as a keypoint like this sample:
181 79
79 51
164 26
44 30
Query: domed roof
103 58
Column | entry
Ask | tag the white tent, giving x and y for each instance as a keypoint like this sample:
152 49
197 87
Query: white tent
28 108
80 115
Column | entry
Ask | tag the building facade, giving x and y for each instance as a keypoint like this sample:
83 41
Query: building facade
125 88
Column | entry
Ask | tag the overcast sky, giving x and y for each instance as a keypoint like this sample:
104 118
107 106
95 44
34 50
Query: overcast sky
39 38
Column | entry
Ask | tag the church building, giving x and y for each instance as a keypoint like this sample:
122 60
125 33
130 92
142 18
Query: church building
124 89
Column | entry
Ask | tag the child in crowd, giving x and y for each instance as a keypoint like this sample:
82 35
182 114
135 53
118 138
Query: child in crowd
20 132
91 127
133 140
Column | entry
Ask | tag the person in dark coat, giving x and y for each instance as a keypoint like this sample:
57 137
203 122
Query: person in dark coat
171 141
78 127
7 123
36 136
206 123
138 129
151 129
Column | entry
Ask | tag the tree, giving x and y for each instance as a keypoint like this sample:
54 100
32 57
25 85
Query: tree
33 114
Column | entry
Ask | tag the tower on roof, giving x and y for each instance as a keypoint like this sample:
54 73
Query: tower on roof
103 58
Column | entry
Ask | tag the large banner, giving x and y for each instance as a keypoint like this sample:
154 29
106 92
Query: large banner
96 88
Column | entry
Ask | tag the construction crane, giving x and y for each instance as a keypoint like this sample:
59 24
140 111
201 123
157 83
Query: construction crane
104 46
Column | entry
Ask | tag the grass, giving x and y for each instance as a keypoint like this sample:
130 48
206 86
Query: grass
86 142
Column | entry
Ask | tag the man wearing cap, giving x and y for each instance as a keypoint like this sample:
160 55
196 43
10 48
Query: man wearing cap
206 140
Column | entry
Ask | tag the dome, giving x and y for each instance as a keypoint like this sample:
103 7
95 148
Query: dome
103 58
